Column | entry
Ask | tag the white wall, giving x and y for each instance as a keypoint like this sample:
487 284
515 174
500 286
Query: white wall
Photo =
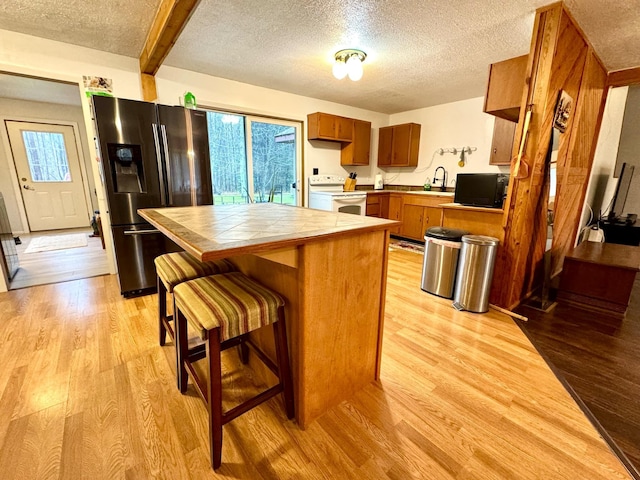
629 148
20 109
225 94
449 125
602 184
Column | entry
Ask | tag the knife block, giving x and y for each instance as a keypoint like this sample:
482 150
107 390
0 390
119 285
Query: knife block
349 185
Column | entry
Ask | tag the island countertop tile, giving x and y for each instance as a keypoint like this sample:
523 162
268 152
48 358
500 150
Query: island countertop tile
216 231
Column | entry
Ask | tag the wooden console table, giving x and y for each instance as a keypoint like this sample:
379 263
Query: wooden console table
600 275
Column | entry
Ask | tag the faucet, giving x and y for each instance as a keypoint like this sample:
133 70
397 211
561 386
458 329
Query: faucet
443 187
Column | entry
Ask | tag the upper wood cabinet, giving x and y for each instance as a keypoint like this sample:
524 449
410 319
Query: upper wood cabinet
398 145
324 126
357 151
502 143
506 85
354 135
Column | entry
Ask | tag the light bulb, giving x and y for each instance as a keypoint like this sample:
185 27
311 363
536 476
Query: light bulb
339 69
354 68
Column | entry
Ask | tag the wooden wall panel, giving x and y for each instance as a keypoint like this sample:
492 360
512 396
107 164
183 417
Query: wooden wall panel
577 165
557 62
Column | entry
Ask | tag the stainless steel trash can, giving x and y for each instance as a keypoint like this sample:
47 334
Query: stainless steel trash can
441 251
475 272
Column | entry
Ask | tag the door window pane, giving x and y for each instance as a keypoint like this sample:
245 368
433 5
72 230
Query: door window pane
273 150
47 156
228 158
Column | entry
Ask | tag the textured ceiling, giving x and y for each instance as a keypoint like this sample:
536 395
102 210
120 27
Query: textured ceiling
420 52
34 89
612 27
116 26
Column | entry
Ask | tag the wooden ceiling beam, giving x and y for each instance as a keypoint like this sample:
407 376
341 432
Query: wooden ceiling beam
170 19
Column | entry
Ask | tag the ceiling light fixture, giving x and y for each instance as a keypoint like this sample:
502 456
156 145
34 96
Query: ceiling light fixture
349 62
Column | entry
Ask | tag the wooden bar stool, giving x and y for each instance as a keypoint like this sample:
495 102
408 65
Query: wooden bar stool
175 268
224 309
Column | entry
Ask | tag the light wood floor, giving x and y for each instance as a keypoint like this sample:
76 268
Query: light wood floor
86 392
59 265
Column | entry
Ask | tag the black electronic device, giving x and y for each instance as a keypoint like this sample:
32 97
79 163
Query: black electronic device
630 219
481 189
622 190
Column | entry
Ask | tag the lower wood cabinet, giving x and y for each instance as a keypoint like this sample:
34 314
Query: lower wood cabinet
373 206
417 219
432 218
416 212
395 209
411 221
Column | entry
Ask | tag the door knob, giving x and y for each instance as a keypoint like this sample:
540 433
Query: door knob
27 187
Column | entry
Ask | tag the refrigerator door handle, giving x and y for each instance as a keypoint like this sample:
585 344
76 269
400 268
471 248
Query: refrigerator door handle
165 144
163 197
140 232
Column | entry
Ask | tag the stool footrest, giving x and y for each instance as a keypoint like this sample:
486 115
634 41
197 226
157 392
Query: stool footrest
197 353
168 325
251 403
263 358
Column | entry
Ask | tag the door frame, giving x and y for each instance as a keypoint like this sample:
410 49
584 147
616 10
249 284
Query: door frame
77 80
248 118
14 172
258 114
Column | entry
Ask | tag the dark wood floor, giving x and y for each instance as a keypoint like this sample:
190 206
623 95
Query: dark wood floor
599 356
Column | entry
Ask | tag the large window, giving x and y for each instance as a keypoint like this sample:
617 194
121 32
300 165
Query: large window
254 159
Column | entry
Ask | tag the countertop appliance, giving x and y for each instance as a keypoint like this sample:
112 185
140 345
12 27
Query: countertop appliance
378 183
326 193
481 189
151 156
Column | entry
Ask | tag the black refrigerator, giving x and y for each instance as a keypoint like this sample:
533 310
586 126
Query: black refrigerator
151 156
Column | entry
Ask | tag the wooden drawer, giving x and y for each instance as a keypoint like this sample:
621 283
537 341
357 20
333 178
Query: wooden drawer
425 200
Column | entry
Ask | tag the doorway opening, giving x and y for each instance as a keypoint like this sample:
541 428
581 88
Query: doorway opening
46 179
254 159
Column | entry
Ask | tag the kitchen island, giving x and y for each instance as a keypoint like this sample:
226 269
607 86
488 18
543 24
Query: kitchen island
330 267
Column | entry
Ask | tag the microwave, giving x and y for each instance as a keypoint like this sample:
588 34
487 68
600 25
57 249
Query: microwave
481 189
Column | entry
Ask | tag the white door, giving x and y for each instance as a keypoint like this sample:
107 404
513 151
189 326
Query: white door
48 167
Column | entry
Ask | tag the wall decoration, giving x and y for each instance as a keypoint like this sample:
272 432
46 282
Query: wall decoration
563 111
98 86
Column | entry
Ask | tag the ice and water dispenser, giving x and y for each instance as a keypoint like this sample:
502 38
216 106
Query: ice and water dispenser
126 168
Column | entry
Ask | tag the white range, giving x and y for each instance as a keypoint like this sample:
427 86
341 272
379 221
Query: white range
326 193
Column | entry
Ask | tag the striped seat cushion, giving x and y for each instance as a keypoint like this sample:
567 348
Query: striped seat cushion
233 302
175 268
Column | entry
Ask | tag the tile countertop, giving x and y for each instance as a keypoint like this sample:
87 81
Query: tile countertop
209 232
